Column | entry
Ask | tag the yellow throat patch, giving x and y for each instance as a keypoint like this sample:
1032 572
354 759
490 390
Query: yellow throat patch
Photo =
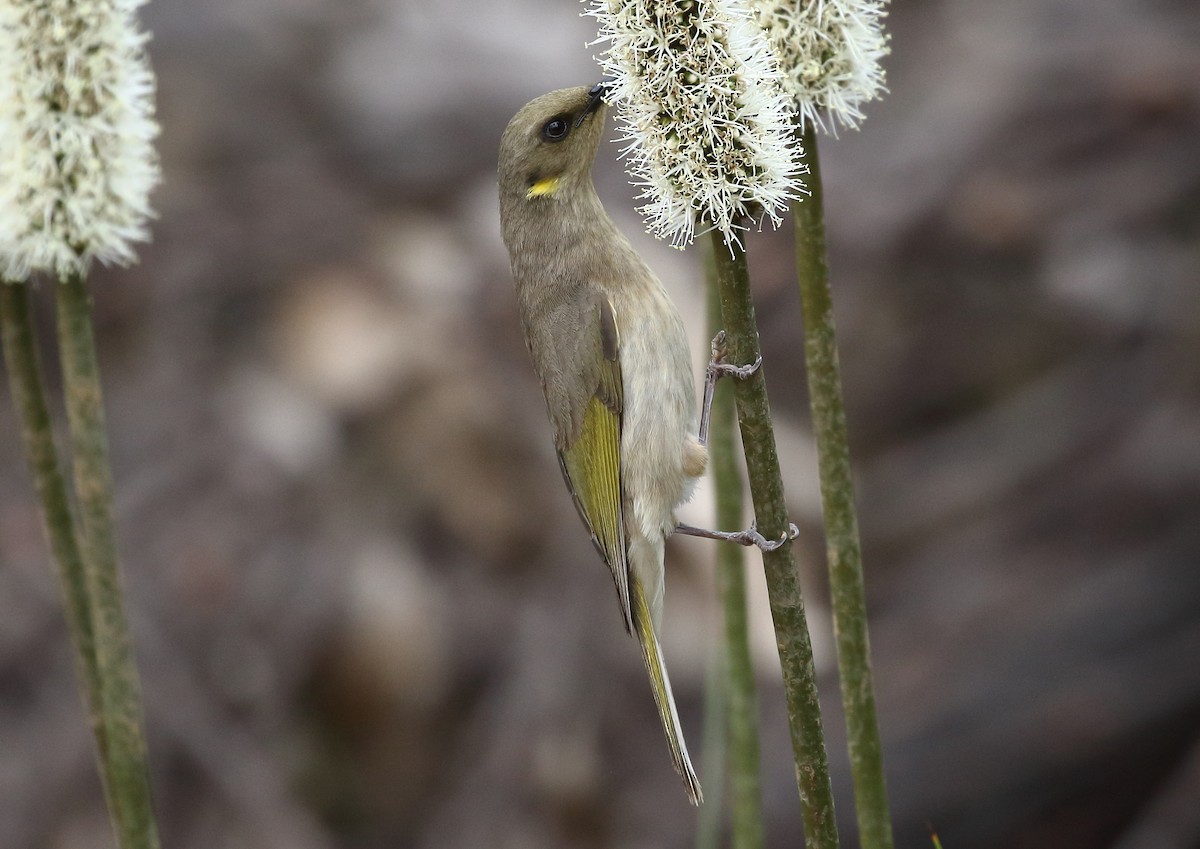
543 188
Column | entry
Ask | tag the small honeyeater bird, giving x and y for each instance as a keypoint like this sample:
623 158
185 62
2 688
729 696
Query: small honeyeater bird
612 355
613 359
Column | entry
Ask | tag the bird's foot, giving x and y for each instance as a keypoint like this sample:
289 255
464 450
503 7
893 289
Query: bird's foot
717 367
751 536
748 537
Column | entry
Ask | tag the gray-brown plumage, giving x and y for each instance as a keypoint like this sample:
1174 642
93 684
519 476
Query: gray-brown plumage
610 350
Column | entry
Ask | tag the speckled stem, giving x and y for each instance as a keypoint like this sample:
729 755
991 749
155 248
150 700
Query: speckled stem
125 757
783 582
709 819
741 701
25 383
841 522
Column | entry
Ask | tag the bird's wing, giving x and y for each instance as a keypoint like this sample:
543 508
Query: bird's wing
591 462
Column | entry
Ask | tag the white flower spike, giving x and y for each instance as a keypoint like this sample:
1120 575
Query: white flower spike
707 121
830 51
77 160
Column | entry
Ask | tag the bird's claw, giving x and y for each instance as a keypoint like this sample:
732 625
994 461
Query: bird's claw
751 536
718 367
718 347
740 372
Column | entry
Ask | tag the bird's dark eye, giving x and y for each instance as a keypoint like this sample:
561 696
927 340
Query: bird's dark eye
555 130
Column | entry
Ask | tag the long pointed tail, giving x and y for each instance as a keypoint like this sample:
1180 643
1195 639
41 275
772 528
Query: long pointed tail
643 626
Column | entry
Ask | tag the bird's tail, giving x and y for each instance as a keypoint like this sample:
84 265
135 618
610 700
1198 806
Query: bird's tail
643 626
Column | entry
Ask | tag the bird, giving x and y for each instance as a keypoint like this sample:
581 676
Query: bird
611 352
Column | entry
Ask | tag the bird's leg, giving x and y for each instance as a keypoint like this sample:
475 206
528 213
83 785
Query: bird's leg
751 536
718 368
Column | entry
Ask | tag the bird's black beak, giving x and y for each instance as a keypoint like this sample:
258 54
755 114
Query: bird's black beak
595 98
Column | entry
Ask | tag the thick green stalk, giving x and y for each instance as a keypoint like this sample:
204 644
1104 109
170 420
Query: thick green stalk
709 815
120 698
741 702
783 583
841 522
25 383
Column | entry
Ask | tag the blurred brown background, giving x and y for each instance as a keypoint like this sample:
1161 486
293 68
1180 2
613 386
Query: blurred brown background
366 613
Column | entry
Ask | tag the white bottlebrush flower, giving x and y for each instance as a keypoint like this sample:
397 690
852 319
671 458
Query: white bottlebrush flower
77 160
830 51
707 121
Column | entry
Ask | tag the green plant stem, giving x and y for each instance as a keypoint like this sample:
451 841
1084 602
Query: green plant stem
25 384
741 702
120 698
783 583
708 815
841 522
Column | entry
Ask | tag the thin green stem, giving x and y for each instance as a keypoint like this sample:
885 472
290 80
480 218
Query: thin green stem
120 697
741 700
25 383
709 815
841 523
783 583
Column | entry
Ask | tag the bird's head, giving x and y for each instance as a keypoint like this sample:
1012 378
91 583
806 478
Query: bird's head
548 147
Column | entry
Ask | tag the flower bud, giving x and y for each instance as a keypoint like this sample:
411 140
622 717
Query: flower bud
707 121
830 52
77 160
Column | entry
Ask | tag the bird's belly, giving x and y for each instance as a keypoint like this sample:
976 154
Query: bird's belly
659 414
